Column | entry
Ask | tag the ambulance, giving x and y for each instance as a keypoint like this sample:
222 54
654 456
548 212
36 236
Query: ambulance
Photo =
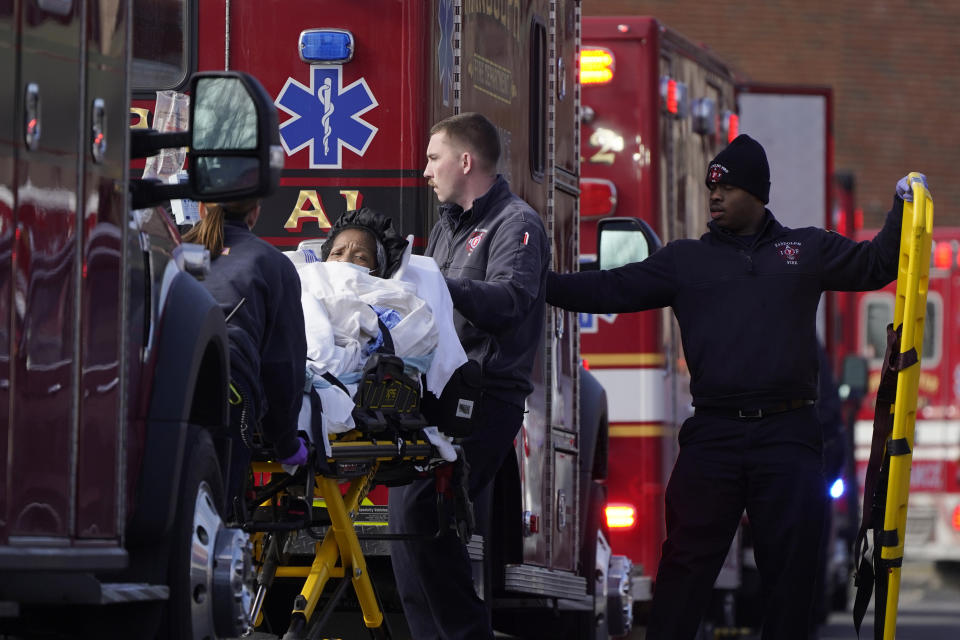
357 86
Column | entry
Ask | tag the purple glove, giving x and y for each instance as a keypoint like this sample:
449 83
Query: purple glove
905 186
300 457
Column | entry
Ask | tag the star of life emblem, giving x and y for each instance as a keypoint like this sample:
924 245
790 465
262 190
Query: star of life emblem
326 116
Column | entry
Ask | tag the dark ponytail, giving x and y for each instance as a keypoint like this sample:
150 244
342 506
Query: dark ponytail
209 231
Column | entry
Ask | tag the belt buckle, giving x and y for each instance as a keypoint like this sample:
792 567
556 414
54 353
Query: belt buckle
750 413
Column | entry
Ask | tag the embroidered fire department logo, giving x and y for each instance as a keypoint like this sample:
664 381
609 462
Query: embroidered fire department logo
716 172
789 250
474 240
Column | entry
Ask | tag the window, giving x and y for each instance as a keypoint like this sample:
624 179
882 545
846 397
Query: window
877 313
159 44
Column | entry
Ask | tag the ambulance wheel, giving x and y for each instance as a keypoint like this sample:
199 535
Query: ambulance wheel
210 565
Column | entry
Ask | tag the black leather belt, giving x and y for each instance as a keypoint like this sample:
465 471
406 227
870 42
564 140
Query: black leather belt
754 413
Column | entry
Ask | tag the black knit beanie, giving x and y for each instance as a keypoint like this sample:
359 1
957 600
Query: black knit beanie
743 163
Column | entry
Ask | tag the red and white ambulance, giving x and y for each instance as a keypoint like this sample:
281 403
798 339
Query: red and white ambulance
357 86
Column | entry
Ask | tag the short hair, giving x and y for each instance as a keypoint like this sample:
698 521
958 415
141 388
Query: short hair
477 132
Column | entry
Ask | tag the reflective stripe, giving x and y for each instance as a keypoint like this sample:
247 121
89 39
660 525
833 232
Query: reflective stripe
633 395
639 430
933 440
624 359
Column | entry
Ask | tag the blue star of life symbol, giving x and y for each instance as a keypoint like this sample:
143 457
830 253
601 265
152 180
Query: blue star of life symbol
326 116
445 49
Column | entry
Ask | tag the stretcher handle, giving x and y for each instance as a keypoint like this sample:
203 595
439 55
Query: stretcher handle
921 223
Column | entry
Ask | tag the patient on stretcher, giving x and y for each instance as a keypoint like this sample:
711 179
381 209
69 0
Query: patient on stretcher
365 299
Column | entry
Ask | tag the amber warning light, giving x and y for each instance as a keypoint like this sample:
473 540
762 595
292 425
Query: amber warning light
596 66
620 516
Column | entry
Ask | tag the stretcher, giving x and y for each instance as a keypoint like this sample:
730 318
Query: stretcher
887 483
322 499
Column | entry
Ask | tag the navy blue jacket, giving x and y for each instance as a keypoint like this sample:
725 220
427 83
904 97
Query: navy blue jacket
495 258
747 312
268 345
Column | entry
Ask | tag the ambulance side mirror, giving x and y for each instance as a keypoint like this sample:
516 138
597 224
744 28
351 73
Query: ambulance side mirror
621 241
233 143
235 147
854 377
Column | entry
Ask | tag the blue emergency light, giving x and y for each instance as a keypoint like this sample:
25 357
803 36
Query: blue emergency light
330 46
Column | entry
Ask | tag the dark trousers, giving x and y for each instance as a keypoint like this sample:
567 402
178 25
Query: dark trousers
771 467
433 575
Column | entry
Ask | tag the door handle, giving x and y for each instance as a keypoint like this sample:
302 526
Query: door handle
98 130
31 116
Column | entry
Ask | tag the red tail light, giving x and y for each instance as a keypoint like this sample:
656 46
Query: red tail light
598 197
840 222
620 516
955 520
732 126
942 255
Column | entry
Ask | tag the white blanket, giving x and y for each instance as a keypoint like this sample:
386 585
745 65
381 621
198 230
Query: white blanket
340 325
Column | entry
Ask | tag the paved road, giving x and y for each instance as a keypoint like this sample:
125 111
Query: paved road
929 607
929 610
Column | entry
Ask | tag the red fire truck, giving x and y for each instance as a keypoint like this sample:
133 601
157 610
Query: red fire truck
656 109
113 358
357 86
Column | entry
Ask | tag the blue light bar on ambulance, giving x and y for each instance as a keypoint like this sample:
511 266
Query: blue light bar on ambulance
331 46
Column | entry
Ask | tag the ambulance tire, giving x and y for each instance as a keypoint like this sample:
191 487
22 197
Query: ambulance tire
201 481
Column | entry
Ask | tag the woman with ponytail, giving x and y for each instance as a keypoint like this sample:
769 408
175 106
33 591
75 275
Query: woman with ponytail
258 290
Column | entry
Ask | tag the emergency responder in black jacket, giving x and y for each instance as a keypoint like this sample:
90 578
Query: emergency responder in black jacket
258 290
493 249
745 296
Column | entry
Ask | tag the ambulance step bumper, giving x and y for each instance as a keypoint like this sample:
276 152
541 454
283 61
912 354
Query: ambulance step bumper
528 579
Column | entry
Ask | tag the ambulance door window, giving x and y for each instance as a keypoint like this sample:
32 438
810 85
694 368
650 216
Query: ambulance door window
160 45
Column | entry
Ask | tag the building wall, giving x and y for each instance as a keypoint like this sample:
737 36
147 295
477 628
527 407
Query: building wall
893 66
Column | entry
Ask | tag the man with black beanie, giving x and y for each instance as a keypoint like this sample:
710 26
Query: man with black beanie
745 296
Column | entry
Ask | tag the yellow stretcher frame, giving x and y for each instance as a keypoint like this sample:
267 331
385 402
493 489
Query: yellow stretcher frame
339 554
913 279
